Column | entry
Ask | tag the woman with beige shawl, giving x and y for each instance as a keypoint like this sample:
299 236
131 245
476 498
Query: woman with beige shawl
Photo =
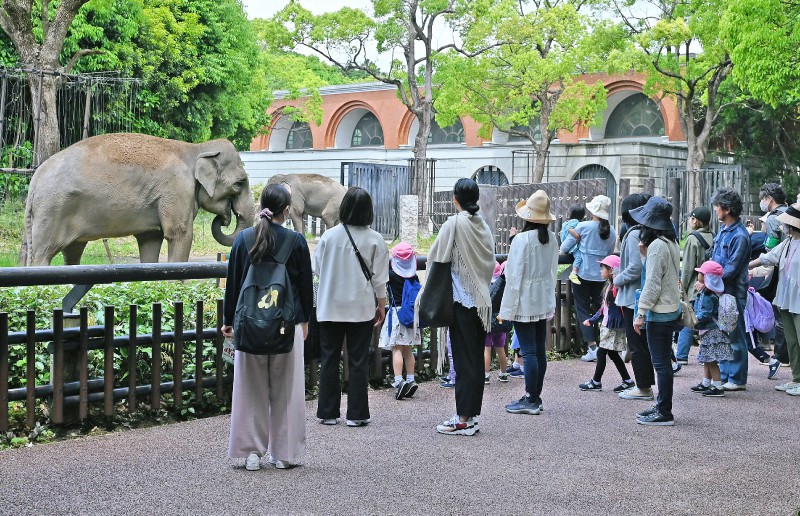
467 243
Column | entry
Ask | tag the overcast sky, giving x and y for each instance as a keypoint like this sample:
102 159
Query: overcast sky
266 8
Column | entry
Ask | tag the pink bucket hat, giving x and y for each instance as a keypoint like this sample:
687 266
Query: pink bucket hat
611 260
404 260
712 276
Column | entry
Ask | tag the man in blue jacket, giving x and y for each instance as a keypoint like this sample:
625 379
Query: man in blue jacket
732 251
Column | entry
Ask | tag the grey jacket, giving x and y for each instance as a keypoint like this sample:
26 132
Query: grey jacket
660 292
694 254
629 277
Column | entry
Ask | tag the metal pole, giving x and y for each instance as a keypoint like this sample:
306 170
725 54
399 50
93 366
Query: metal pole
87 111
36 144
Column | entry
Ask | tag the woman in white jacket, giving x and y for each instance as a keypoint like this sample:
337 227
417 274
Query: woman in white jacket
529 298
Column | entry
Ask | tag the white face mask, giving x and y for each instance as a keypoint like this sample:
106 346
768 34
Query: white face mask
764 205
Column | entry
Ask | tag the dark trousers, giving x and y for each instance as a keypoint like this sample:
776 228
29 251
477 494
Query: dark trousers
600 367
659 340
532 342
331 337
588 298
467 340
641 362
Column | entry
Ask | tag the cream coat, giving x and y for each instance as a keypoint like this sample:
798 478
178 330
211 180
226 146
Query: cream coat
787 294
530 278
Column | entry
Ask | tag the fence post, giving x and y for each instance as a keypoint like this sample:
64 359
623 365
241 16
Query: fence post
70 360
133 328
108 362
177 358
674 194
83 364
3 372
155 352
409 219
30 373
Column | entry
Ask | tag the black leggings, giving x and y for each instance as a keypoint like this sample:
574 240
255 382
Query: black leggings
600 367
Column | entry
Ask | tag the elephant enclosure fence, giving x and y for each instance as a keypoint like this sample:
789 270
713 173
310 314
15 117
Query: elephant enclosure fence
87 104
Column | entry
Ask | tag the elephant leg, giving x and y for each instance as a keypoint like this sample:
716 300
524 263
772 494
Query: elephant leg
149 246
178 249
297 220
330 216
73 252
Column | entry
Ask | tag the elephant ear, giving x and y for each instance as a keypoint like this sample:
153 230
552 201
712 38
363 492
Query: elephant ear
205 171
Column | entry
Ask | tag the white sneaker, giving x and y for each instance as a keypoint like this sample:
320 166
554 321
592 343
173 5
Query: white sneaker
635 393
794 391
253 462
590 356
359 422
786 386
282 464
730 386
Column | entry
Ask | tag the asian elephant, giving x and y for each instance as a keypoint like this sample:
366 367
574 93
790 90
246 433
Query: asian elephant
122 184
312 194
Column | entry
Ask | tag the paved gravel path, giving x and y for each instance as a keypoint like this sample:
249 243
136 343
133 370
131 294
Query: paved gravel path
584 455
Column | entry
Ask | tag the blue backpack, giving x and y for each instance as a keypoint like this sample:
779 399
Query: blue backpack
405 310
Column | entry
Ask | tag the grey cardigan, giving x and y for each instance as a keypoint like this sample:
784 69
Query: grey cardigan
629 277
660 293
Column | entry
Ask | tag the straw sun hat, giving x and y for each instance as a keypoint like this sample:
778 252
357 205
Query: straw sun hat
536 208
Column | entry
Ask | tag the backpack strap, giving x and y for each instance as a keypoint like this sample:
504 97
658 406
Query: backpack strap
702 240
286 248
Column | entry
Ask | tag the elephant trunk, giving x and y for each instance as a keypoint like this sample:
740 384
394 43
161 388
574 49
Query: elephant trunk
245 215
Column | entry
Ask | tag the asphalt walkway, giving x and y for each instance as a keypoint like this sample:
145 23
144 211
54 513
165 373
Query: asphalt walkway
583 455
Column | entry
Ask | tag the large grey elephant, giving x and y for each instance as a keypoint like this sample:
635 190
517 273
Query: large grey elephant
312 194
123 184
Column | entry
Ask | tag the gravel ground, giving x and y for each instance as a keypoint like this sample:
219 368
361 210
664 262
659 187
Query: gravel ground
584 454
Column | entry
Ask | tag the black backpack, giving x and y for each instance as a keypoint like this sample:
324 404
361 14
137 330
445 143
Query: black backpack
709 248
264 320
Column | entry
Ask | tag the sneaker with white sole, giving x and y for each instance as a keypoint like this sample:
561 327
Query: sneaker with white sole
590 385
656 419
502 377
253 462
624 386
282 464
786 386
773 369
730 386
329 422
794 391
454 426
359 422
590 356
713 392
646 412
412 389
517 373
635 393
524 406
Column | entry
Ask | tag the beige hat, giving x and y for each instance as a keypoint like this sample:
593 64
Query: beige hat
599 206
536 208
791 216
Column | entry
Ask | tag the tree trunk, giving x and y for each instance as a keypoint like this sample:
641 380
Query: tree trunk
420 185
45 116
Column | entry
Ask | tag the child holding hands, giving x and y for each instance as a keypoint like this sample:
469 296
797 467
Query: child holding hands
612 331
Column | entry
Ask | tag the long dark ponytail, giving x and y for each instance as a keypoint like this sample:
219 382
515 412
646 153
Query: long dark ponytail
605 229
274 200
542 230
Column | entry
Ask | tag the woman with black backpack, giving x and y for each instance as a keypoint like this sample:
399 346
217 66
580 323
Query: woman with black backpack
268 410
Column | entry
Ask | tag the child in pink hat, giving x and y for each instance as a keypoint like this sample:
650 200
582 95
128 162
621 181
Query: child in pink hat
715 345
612 331
395 335
496 339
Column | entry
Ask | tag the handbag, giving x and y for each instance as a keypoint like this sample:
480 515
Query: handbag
436 299
688 318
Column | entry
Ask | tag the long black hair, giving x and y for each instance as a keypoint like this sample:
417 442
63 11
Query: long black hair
275 198
543 229
605 229
630 202
467 193
649 235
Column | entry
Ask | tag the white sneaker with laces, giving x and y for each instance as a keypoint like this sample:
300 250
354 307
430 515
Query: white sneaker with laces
794 391
730 386
786 386
253 462
590 356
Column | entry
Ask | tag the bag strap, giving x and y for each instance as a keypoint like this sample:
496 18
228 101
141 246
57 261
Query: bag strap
364 267
702 240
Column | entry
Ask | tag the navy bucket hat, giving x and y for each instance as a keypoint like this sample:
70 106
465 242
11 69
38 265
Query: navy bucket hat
656 214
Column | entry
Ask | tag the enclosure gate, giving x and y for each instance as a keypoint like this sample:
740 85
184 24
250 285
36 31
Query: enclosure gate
385 184
710 179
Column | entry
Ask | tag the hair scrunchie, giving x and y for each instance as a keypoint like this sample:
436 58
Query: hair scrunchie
266 213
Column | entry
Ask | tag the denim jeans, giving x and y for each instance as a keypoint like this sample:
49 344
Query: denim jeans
685 338
735 371
659 341
532 342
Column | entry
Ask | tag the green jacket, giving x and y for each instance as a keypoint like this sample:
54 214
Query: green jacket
694 254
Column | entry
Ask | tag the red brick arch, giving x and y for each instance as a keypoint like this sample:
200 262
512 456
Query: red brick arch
336 118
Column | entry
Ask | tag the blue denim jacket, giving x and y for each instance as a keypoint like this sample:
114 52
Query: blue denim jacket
732 251
592 247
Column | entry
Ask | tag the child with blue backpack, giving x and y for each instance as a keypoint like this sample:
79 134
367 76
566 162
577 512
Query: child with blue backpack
398 332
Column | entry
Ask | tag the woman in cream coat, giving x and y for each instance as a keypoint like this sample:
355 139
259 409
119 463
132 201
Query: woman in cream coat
529 298
787 294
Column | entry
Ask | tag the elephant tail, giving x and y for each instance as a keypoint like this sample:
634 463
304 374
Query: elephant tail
25 255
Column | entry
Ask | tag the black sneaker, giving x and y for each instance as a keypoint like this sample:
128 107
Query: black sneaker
412 388
714 392
656 419
700 387
401 391
591 385
647 412
773 369
625 385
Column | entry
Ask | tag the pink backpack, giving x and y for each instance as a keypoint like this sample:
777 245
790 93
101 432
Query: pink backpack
758 314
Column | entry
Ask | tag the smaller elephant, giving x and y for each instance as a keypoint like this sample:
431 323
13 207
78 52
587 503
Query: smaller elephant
312 194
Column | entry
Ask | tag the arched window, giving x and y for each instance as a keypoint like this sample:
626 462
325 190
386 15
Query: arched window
533 129
299 136
636 116
490 175
450 134
368 132
601 172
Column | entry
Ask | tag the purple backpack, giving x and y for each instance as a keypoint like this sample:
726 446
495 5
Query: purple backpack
758 314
